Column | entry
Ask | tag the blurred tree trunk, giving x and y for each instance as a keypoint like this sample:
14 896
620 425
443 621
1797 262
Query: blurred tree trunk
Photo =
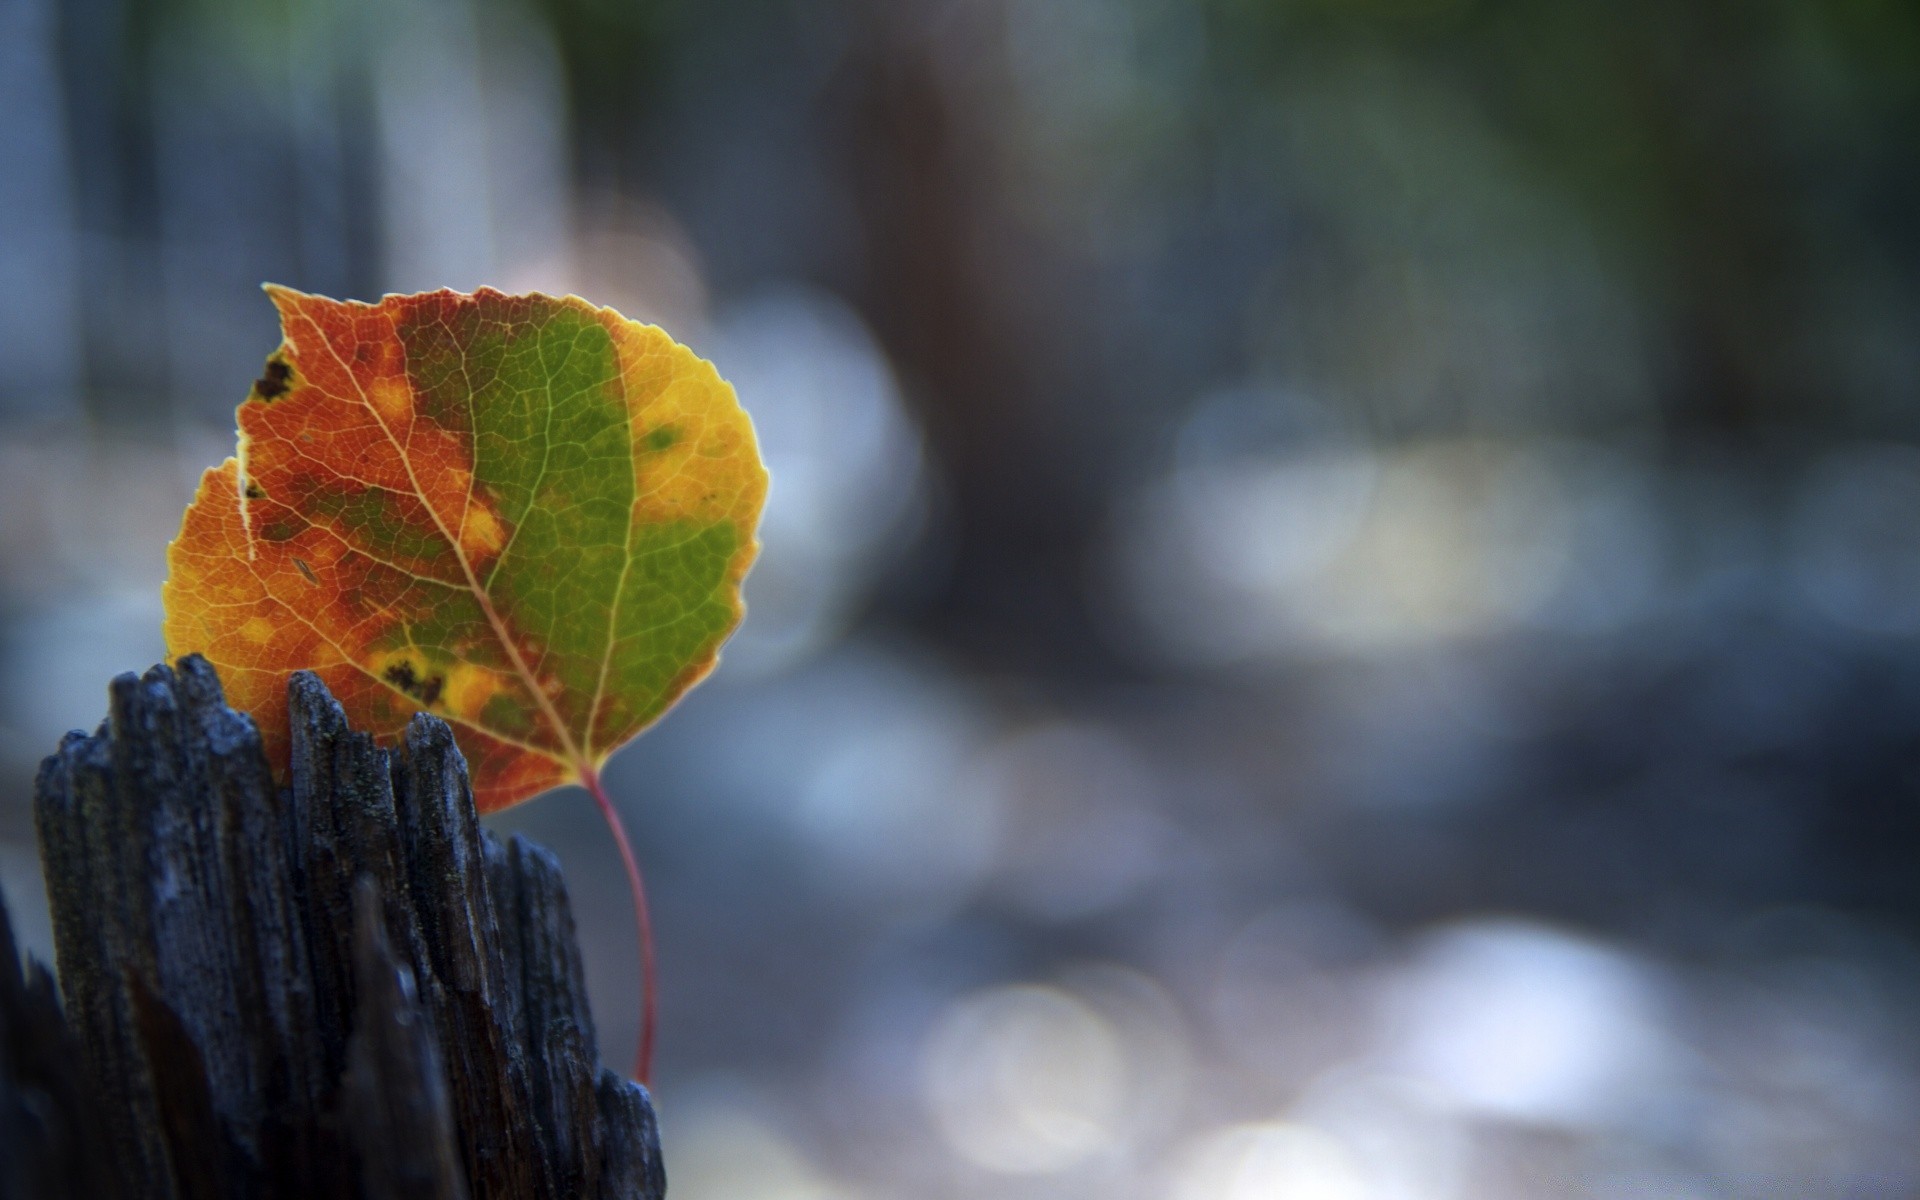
941 270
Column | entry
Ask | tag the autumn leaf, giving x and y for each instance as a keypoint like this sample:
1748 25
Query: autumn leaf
527 515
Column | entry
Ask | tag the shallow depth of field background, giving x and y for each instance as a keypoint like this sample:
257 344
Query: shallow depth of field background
1341 606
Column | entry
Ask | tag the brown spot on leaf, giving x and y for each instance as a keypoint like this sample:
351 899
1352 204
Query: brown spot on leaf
256 492
401 676
426 691
275 382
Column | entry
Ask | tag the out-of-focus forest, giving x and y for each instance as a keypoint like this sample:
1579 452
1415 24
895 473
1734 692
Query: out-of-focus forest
1341 606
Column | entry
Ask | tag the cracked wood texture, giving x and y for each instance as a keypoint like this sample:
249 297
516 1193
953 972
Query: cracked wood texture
339 988
527 515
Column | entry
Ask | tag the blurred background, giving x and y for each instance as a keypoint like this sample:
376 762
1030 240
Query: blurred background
1341 607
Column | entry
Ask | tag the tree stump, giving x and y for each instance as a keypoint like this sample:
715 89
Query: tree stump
341 988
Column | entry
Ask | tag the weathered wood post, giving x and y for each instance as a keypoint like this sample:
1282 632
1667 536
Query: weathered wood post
341 988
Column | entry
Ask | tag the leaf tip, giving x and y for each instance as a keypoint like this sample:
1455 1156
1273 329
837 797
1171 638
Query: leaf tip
287 300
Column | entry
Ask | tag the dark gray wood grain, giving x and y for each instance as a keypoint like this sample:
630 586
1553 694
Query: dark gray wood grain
341 988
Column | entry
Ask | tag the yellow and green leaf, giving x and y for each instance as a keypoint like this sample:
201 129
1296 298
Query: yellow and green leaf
527 515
